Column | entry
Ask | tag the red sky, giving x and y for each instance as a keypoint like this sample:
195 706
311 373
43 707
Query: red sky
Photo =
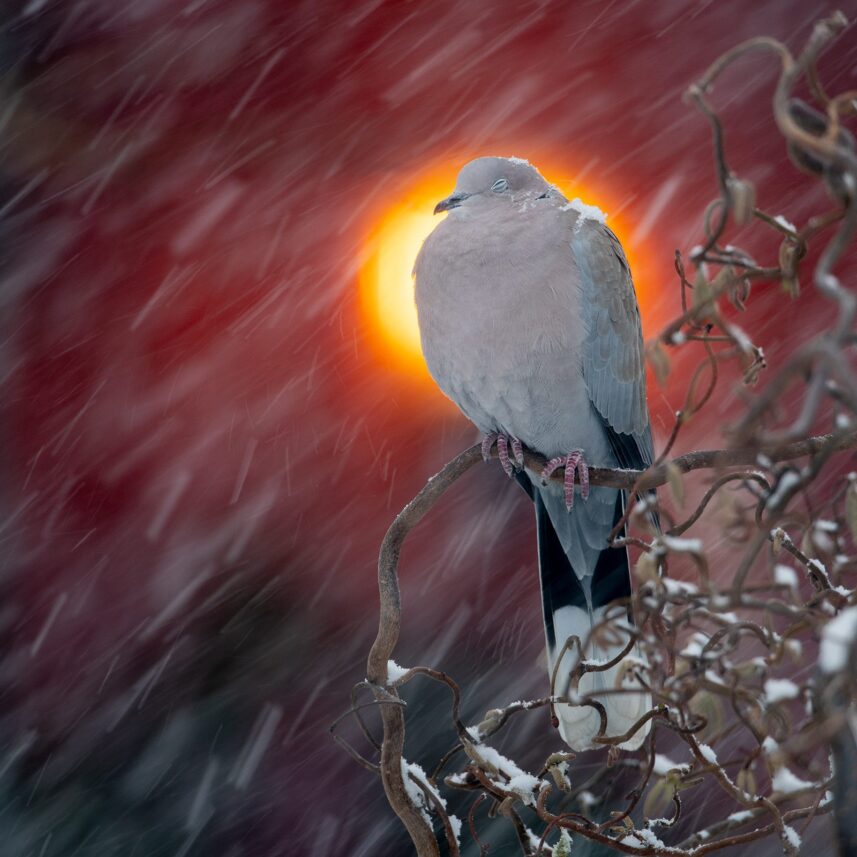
195 417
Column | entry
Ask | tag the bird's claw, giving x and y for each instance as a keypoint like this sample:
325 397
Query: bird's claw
487 443
573 463
503 442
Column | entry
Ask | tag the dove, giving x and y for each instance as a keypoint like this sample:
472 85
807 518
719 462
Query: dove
529 323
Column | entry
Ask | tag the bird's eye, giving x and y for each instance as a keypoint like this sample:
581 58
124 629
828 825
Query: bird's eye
500 185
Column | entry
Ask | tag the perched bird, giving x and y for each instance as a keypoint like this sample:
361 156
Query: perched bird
529 323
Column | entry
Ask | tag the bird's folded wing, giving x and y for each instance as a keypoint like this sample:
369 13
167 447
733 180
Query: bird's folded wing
614 367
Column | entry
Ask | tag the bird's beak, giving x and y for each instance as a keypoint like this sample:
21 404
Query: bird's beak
452 201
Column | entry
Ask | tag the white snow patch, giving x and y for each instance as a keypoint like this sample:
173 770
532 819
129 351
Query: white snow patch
394 671
778 689
820 567
708 754
585 212
681 545
664 764
455 824
678 587
642 837
785 576
836 639
695 645
786 782
520 782
417 798
823 542
792 836
786 224
644 504
788 481
524 785
741 816
534 840
649 838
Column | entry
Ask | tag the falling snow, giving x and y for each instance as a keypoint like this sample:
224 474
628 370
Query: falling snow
209 426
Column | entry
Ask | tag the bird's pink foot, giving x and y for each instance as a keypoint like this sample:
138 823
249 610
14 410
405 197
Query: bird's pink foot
573 463
504 442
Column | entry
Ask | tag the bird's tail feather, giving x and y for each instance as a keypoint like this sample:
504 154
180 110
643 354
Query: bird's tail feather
573 605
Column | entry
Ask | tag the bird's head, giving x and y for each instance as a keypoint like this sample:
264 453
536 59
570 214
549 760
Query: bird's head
490 182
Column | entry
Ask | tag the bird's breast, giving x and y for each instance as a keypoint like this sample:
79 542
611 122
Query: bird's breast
499 323
500 282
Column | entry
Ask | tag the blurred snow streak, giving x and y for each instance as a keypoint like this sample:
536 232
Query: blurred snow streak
201 454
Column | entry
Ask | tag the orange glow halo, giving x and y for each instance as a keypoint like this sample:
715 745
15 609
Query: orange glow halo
386 282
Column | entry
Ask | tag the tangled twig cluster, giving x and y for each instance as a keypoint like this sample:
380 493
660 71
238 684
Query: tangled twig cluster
751 683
